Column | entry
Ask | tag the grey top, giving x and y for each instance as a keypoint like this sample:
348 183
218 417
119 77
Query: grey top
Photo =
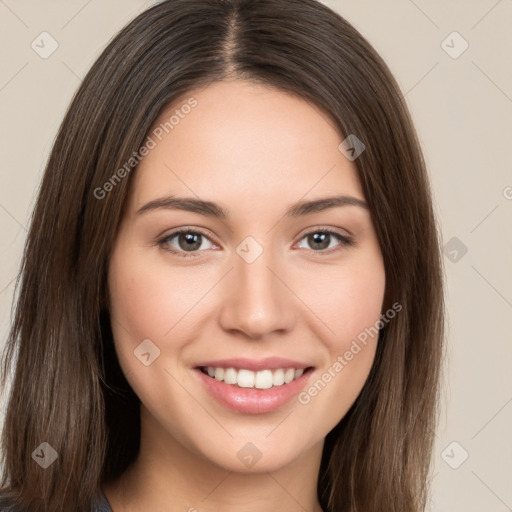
101 506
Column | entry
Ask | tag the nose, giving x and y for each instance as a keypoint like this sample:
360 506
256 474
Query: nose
257 299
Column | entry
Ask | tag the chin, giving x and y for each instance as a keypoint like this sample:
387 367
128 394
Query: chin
261 455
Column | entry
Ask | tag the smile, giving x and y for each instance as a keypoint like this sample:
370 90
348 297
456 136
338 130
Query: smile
262 379
250 386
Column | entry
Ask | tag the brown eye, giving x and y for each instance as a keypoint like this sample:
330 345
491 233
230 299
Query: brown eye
184 241
321 240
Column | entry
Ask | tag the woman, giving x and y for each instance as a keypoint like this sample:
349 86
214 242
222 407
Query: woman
231 294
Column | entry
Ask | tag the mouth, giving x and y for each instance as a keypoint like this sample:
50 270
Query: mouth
253 387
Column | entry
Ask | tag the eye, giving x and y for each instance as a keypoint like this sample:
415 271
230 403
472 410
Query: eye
188 242
184 241
320 240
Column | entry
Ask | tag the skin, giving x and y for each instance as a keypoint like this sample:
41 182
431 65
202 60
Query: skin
254 150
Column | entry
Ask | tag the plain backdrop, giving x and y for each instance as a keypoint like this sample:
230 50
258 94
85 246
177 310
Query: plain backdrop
452 60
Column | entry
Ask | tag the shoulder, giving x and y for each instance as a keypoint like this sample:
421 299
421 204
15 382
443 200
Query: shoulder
6 505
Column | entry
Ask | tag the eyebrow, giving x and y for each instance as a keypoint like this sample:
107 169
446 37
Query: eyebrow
212 209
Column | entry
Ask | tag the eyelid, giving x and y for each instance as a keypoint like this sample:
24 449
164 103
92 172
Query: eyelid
327 229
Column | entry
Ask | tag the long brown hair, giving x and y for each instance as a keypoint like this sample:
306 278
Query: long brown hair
67 387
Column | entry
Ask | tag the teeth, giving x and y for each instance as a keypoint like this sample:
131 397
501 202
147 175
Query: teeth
245 378
289 375
263 379
278 378
230 376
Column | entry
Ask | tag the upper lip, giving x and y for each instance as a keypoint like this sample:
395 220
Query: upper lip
268 363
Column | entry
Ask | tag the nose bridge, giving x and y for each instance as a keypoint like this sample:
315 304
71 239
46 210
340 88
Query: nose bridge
254 277
257 302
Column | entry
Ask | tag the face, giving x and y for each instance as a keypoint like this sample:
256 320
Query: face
256 286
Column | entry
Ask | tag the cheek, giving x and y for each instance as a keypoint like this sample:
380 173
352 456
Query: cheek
359 304
149 301
347 299
147 298
139 302
350 308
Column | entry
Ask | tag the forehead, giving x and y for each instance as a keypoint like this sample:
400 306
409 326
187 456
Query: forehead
244 141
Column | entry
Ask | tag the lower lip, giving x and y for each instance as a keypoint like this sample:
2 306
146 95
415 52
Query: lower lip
252 400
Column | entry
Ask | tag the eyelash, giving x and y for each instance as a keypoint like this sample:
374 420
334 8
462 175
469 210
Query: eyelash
344 241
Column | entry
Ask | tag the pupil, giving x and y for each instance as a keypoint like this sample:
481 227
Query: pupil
320 239
191 241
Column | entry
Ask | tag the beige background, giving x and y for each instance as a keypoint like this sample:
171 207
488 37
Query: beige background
463 110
